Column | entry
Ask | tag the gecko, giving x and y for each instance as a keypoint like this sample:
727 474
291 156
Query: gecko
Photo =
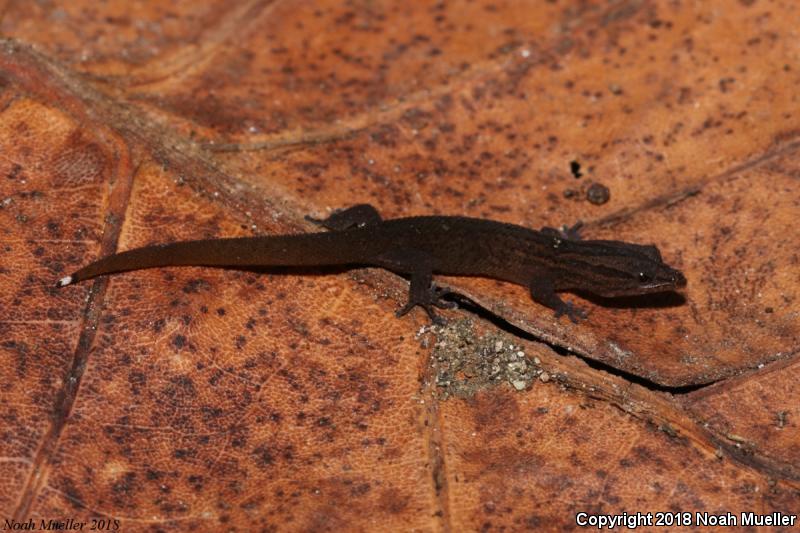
546 261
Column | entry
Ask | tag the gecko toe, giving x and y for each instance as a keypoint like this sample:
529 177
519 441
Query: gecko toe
315 221
403 311
436 319
428 307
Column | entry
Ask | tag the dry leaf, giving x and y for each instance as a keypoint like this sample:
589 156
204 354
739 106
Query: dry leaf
194 398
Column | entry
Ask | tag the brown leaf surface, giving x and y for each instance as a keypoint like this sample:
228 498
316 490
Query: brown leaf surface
196 398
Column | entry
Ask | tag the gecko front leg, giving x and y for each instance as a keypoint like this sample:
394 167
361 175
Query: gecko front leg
542 288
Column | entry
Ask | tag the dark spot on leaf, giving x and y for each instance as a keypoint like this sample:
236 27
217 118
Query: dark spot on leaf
15 171
179 341
196 482
194 285
575 168
241 340
263 456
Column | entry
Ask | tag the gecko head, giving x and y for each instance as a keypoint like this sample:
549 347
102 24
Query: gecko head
653 277
614 268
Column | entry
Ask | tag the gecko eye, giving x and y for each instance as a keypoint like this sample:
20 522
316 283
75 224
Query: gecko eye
644 277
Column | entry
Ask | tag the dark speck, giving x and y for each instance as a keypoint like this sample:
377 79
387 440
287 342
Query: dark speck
263 456
179 341
240 342
725 84
180 454
15 170
196 482
598 194
575 168
194 286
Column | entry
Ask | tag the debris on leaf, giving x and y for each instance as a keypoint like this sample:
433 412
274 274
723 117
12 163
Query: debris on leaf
463 363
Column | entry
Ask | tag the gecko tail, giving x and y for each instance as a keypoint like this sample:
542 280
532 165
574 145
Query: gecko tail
308 249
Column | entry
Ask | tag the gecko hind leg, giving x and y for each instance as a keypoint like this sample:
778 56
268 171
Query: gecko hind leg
422 291
355 216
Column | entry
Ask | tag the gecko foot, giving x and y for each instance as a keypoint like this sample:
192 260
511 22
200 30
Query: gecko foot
575 314
356 216
428 307
573 232
433 299
569 233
